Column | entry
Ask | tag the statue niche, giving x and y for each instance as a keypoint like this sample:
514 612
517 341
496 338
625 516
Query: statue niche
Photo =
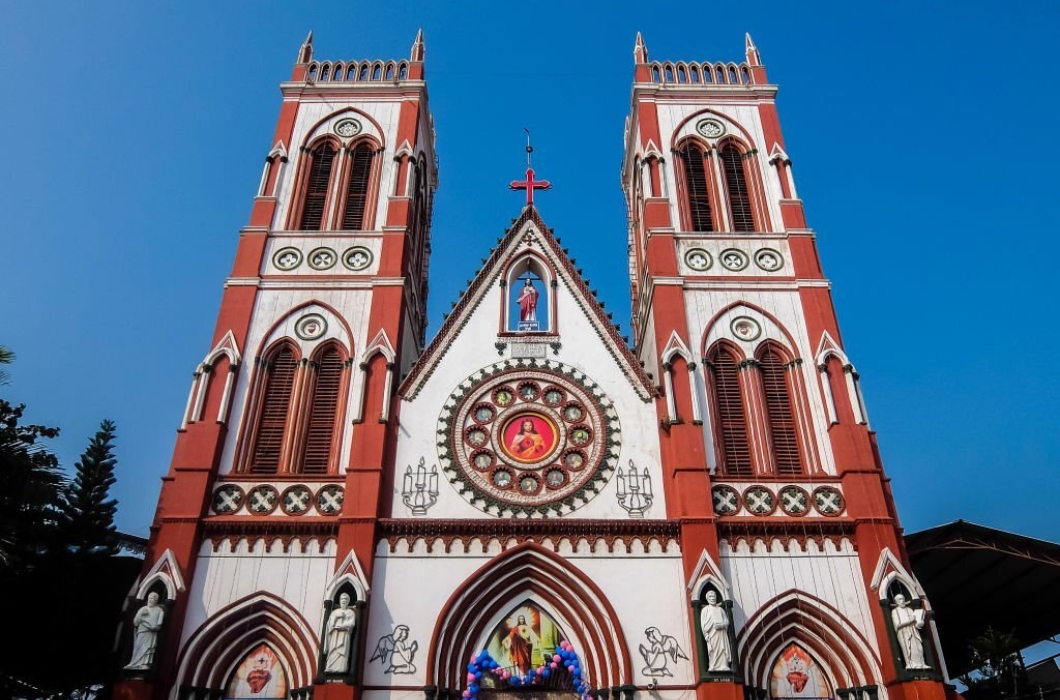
338 642
717 638
528 298
908 617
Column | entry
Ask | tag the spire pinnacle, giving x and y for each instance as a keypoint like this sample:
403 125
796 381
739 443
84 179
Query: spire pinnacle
418 49
753 57
640 51
305 54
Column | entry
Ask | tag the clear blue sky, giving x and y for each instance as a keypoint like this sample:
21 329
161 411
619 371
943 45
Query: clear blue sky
921 135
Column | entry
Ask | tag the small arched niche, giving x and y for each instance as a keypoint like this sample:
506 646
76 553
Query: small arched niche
529 297
259 674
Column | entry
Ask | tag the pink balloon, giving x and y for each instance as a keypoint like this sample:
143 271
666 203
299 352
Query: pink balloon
554 665
471 678
571 669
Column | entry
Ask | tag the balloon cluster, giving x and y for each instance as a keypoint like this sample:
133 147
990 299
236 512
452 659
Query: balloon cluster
565 659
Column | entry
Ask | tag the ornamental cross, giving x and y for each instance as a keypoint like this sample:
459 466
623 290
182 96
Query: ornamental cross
529 184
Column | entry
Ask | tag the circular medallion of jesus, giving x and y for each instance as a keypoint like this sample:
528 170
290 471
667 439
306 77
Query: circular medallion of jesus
531 438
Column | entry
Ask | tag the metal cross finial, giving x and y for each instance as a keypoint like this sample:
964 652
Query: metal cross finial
529 184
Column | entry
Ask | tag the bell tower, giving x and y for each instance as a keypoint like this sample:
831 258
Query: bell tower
770 465
277 478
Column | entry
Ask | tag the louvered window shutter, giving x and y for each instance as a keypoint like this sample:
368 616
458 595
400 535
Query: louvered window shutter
736 186
316 191
732 422
279 378
357 188
319 436
698 190
781 418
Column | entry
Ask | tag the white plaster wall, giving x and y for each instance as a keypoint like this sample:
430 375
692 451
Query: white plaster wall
223 577
378 118
644 590
274 305
758 574
473 348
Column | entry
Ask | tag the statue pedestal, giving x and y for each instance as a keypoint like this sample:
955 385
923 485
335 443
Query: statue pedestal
335 691
133 689
719 690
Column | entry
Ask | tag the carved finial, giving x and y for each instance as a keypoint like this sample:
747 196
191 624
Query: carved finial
305 54
418 49
640 51
753 57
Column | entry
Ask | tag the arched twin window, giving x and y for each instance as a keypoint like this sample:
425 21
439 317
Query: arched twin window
717 192
753 398
293 427
325 163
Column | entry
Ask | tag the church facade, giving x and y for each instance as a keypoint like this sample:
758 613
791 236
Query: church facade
527 505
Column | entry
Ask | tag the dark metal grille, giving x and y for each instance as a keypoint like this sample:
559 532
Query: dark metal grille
268 443
357 188
732 421
321 432
697 188
736 186
316 193
781 417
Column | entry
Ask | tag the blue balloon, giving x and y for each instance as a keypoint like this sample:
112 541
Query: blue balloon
546 673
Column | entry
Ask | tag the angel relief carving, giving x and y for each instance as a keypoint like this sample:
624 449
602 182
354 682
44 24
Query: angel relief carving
395 652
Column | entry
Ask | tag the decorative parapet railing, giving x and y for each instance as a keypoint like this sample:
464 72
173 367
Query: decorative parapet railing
681 73
356 71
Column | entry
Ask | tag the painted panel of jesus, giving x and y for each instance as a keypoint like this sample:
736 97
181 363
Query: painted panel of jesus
259 675
523 638
529 437
796 674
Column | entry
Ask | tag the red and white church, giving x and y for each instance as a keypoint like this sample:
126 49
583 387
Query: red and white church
527 505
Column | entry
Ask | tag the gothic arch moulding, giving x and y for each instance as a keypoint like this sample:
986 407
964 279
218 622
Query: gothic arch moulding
795 616
529 573
214 650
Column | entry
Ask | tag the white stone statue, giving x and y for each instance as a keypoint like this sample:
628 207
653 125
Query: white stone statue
907 625
146 625
714 622
339 635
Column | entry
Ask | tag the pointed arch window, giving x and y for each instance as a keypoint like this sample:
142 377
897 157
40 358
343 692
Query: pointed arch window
267 451
697 187
732 161
323 409
782 430
731 418
354 217
318 178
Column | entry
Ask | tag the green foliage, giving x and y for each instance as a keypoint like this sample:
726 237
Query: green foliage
88 511
999 671
31 488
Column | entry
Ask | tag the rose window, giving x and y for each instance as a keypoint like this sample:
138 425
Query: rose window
538 439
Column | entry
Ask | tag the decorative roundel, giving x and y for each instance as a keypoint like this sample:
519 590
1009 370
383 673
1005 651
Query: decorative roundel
827 500
310 327
732 259
769 260
533 438
287 258
329 499
758 500
711 128
227 499
348 127
698 259
296 500
726 499
262 499
357 258
794 500
322 259
745 328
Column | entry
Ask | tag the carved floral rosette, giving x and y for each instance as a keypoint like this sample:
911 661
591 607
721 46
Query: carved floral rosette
528 437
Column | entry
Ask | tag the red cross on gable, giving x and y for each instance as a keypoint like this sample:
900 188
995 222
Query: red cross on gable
530 184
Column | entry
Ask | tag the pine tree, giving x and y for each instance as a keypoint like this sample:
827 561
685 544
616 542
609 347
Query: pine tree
88 513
